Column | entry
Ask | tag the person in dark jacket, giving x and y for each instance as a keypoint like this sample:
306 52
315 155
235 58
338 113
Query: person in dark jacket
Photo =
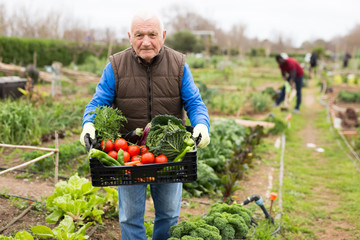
346 60
143 81
292 72
313 63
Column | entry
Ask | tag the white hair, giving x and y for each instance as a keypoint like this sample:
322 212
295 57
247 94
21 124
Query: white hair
146 15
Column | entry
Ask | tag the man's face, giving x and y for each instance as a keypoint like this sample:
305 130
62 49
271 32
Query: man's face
146 38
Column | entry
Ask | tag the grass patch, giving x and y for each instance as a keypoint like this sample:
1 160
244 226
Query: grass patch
318 186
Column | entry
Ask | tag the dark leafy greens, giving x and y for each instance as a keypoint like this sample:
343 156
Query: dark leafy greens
168 136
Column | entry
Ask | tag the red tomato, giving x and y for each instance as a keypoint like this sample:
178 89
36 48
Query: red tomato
161 159
120 143
133 150
126 157
113 154
108 145
147 158
143 149
135 158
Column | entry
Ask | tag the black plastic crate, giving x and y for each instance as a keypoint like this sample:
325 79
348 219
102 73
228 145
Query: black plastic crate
9 86
171 172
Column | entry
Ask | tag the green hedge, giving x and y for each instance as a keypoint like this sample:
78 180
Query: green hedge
21 51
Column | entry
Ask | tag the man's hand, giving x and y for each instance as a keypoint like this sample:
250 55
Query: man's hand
201 131
87 136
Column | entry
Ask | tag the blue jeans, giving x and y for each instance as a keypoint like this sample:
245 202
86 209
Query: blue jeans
132 198
298 86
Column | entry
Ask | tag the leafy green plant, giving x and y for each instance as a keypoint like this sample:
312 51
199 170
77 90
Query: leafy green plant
24 123
19 203
207 182
206 93
240 160
65 230
226 102
260 101
168 136
77 199
21 235
108 122
279 127
93 64
226 135
347 96
149 225
91 88
17 120
112 203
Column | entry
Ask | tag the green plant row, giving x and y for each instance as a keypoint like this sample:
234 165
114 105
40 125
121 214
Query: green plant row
21 51
347 96
24 123
231 145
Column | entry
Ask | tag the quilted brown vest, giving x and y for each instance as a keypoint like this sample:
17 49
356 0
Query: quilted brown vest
146 90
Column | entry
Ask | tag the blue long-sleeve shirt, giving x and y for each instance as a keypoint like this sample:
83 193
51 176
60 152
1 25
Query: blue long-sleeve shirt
193 104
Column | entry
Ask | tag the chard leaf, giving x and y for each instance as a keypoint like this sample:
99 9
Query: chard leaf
87 188
67 225
76 208
96 213
80 234
54 216
94 201
23 235
42 231
62 202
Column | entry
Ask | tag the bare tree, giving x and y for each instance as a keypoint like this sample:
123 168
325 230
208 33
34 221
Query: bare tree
237 37
24 23
3 22
352 40
49 26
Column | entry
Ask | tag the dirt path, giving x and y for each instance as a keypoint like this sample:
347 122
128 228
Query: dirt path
321 197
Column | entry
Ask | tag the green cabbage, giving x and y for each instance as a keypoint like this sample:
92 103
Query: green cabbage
168 136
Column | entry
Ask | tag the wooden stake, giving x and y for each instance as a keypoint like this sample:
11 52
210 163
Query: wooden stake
29 147
56 157
17 218
27 163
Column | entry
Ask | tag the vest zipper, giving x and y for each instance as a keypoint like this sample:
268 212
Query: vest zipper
149 89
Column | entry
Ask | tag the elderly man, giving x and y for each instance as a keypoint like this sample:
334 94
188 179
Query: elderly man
143 81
